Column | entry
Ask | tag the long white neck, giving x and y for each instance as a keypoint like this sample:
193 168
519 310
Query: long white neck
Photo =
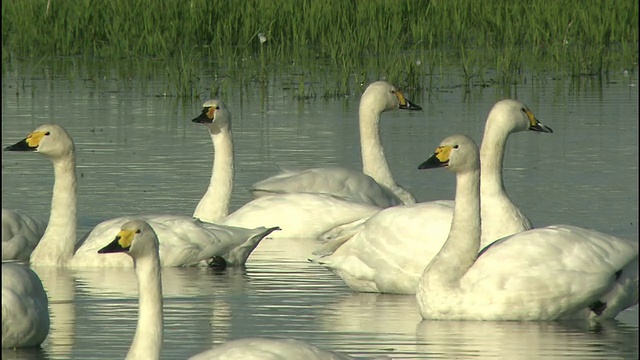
500 216
147 342
460 250
491 161
214 205
374 163
57 245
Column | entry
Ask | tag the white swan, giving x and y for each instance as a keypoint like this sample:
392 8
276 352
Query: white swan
388 252
138 240
270 349
20 234
299 215
375 184
556 272
184 241
25 307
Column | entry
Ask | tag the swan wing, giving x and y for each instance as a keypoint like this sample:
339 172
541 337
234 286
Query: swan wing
393 247
341 182
20 234
556 271
299 215
184 241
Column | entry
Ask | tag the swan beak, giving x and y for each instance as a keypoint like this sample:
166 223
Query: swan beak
535 125
30 143
439 159
405 104
122 243
206 117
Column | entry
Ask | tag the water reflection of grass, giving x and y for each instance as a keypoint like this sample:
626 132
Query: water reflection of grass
355 41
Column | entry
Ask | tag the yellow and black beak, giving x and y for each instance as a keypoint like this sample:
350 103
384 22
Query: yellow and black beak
206 117
405 104
535 125
439 159
30 143
122 243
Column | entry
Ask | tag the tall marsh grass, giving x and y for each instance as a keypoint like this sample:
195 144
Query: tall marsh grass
405 40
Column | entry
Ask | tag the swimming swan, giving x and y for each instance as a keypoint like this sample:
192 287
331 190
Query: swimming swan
550 273
20 234
138 240
25 307
389 251
299 215
184 240
375 184
260 348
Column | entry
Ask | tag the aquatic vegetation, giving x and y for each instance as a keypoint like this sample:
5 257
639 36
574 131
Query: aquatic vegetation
355 40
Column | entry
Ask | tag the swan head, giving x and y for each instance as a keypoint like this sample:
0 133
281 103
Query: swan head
458 153
382 96
136 238
50 140
513 116
215 115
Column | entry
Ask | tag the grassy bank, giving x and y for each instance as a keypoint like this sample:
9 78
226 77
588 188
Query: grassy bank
354 40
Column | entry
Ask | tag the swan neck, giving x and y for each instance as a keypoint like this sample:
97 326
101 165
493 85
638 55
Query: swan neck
491 161
58 242
374 162
147 341
463 243
214 205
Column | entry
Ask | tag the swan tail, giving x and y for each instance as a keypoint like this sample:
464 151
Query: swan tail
238 256
623 293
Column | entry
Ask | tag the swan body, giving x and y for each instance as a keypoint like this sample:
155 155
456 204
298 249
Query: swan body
551 273
268 349
138 240
389 251
298 215
375 184
25 307
20 234
184 241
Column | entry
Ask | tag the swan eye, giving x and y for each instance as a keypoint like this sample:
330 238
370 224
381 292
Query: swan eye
217 107
138 231
455 146
524 111
47 133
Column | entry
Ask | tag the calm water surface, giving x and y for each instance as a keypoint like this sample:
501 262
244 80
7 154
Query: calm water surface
139 153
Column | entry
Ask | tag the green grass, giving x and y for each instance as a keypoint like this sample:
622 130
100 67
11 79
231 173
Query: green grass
408 41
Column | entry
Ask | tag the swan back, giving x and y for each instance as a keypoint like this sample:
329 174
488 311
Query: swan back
20 234
138 240
25 307
268 349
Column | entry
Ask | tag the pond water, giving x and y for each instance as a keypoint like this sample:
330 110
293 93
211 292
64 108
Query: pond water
140 153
